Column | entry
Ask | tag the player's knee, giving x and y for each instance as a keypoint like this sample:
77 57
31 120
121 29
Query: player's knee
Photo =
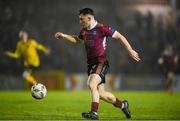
92 85
25 74
102 94
102 97
94 81
170 75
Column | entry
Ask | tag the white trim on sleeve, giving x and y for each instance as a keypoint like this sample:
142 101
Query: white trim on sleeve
104 43
114 34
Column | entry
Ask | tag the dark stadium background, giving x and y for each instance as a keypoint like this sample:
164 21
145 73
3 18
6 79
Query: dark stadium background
143 27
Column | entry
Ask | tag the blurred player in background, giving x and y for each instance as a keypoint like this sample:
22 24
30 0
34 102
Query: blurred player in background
93 35
169 60
27 49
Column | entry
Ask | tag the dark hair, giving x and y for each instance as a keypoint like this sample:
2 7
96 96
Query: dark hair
86 11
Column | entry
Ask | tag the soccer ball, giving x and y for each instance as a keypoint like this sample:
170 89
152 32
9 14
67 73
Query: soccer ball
38 91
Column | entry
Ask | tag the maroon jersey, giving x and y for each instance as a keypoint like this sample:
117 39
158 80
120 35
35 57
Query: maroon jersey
169 61
95 42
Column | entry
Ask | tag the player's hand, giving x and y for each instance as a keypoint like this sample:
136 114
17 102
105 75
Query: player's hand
59 35
7 52
160 61
48 51
134 55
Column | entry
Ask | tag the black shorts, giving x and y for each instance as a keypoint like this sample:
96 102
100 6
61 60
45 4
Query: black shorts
100 68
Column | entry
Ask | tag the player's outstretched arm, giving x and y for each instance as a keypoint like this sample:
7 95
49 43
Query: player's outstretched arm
73 39
43 48
128 47
15 55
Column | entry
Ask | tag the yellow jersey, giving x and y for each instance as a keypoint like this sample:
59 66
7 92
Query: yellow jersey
28 50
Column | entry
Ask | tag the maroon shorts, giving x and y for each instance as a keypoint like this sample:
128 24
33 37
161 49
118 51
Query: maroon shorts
100 68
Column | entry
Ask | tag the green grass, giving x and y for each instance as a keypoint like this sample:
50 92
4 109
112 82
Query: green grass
69 105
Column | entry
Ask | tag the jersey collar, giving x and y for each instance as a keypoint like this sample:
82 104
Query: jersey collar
93 26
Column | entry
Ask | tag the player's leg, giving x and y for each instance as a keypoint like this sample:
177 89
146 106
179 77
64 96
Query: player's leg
93 81
110 98
27 76
96 74
106 96
170 76
93 84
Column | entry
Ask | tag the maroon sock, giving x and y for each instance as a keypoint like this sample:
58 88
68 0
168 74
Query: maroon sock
94 106
118 103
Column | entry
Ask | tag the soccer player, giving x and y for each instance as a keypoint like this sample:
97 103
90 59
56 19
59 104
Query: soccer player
169 60
27 49
93 35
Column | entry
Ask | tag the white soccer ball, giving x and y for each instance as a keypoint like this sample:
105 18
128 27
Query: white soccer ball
38 91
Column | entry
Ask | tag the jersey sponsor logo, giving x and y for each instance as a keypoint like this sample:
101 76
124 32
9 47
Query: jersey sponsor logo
94 32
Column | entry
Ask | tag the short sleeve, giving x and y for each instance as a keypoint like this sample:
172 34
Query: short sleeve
34 42
108 31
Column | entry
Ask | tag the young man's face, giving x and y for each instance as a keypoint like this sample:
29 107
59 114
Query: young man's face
24 36
85 20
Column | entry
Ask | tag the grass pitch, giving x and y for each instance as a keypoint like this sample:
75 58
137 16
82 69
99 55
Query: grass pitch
69 105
